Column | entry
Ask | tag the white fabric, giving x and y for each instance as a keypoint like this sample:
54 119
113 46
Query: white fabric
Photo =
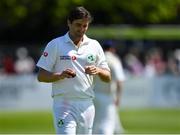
61 53
117 74
74 116
116 66
106 119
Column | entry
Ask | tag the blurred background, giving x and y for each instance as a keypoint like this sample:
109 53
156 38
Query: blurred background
147 35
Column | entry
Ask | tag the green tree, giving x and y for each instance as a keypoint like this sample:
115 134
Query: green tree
47 17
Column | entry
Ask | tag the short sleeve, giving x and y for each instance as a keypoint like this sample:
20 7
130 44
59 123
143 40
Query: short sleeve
101 61
48 58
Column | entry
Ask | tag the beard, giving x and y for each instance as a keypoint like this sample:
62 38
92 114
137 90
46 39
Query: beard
80 34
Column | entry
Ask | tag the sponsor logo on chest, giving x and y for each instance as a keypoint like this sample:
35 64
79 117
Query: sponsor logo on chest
90 58
65 57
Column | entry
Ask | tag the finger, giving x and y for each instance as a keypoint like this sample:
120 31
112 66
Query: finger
72 74
66 74
69 76
69 70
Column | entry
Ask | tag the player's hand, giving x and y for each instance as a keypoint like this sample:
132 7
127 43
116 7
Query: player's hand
92 70
68 73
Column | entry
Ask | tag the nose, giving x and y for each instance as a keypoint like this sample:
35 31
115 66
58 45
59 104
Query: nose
81 30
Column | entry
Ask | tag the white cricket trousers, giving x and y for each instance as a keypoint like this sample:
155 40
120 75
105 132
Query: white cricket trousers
106 116
73 116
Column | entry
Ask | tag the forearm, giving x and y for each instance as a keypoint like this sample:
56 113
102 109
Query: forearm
46 76
49 77
118 92
104 75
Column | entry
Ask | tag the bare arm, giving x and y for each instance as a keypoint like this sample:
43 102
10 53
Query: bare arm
104 74
46 76
118 92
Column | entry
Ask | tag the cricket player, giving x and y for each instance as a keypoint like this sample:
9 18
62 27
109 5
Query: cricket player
70 63
107 96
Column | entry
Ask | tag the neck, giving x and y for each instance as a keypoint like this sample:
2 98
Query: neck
76 41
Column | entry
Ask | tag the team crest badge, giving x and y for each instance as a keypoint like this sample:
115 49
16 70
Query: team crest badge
60 122
91 58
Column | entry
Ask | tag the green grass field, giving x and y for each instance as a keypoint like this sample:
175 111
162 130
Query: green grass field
151 121
134 121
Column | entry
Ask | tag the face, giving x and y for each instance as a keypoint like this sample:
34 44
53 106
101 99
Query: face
78 27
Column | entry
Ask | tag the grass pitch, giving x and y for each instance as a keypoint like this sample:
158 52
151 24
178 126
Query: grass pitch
151 121
144 121
26 122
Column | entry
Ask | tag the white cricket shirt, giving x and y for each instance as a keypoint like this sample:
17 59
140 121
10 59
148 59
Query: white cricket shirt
61 53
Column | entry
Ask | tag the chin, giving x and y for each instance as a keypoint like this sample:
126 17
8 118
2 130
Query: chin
80 35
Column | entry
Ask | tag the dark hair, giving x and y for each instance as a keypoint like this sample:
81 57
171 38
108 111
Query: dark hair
79 13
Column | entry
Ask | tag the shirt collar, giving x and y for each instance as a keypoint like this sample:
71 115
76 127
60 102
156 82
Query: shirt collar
68 39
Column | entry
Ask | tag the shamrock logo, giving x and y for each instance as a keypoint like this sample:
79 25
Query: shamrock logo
60 122
91 58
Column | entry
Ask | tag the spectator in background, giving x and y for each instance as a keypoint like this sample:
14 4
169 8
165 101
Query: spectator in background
155 64
107 95
133 63
177 57
8 64
172 65
24 63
